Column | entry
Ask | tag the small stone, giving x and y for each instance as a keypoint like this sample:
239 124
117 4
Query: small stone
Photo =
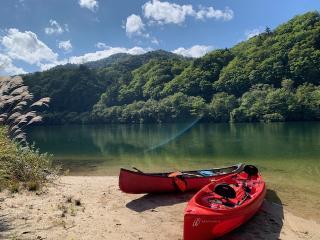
77 202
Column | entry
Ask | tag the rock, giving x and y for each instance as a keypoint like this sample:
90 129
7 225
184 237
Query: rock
77 202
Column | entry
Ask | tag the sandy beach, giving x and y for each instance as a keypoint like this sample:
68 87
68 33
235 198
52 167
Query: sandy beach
94 208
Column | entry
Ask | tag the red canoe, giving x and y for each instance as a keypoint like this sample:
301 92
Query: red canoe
139 182
224 205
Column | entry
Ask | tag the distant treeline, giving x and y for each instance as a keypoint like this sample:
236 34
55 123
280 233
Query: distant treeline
274 76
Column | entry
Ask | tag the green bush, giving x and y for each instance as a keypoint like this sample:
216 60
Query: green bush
273 117
221 106
23 166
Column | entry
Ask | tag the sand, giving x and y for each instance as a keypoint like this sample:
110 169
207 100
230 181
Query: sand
94 208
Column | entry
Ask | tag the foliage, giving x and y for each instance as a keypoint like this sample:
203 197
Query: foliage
177 107
70 89
197 78
266 103
290 51
308 101
149 80
22 165
17 109
20 162
221 106
270 77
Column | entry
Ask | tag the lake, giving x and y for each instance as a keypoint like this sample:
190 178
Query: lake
288 154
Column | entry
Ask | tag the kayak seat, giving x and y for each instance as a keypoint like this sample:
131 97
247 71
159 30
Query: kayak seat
225 191
225 195
251 170
215 201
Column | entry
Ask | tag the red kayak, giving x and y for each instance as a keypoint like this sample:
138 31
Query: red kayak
224 205
139 182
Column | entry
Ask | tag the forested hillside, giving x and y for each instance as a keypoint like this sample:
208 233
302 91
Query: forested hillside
274 76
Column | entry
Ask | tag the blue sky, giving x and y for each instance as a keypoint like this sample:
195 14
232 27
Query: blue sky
36 34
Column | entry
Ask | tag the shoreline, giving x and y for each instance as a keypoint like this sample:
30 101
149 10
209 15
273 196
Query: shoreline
82 207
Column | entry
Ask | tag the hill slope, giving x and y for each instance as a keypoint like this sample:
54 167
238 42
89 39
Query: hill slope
274 76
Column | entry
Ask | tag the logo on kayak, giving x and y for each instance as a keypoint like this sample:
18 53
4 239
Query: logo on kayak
199 221
196 222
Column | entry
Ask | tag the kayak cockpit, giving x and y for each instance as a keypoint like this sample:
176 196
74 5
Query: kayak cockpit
202 173
232 193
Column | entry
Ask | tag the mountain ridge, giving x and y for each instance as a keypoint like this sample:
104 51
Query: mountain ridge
223 85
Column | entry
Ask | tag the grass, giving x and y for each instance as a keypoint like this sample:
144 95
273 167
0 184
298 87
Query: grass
23 167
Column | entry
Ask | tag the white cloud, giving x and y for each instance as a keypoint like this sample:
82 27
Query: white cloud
88 57
56 28
7 67
65 45
90 4
134 25
218 14
106 53
253 32
194 51
166 13
101 45
27 47
155 41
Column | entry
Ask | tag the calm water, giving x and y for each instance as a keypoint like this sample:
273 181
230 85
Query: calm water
288 154
102 149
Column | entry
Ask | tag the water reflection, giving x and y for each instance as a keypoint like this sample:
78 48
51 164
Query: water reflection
280 146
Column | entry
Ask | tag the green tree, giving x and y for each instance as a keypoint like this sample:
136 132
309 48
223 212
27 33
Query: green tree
221 106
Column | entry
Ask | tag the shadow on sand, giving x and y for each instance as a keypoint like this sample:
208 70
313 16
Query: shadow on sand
4 226
151 201
265 225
